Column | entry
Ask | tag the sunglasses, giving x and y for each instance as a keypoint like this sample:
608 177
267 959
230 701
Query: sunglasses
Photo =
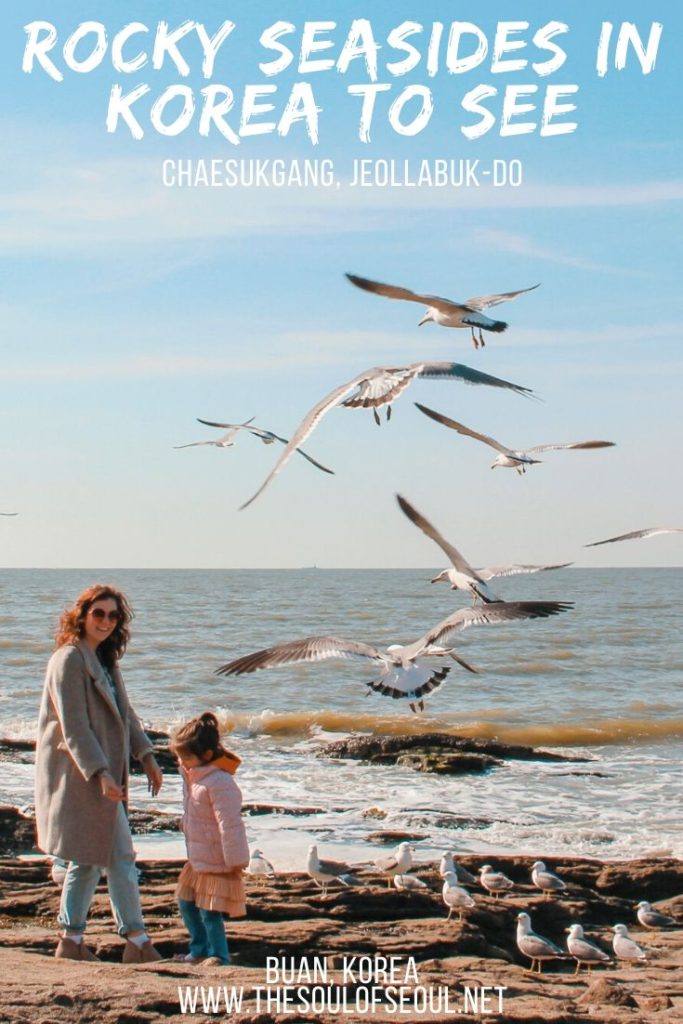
101 615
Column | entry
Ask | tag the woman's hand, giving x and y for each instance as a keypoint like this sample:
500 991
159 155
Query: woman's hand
109 788
153 772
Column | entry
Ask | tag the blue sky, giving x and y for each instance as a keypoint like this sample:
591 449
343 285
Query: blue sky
129 309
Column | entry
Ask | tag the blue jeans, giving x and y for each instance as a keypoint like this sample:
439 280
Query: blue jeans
122 881
207 931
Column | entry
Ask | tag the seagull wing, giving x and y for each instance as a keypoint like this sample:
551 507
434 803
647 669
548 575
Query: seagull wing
230 426
193 444
488 614
468 375
382 386
484 301
311 648
333 867
387 863
308 425
534 945
462 429
517 570
268 435
637 535
572 444
9 513
451 553
392 291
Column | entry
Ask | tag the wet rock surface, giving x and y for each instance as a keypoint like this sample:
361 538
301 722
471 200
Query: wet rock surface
436 748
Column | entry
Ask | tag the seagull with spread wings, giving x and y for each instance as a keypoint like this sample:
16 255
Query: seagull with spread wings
460 574
226 440
654 531
446 312
405 670
517 459
376 387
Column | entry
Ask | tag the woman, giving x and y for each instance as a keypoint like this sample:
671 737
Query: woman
86 732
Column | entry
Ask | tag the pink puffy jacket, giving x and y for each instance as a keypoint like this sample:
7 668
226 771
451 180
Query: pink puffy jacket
212 820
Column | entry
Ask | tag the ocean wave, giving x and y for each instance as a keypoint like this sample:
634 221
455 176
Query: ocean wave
307 725
590 732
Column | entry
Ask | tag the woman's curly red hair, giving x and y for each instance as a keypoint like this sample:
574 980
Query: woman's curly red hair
71 626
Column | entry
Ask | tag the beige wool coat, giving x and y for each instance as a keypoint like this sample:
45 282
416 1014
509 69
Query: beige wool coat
81 732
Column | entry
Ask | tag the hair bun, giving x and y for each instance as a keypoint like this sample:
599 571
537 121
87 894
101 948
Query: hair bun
208 718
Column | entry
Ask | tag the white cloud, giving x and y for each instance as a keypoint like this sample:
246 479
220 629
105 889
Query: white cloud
522 245
71 206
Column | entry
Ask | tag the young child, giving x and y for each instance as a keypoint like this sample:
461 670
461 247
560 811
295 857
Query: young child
210 883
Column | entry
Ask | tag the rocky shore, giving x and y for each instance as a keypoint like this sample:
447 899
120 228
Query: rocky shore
290 920
335 950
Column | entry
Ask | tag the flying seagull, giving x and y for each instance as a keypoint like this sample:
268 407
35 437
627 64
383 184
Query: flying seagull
536 947
494 882
583 951
517 459
405 672
446 312
451 575
376 387
454 897
637 535
624 947
325 871
650 918
546 880
397 863
461 575
226 440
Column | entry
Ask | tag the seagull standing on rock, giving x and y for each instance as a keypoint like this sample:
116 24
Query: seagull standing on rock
454 897
583 951
547 881
650 918
409 883
534 946
325 871
494 882
259 867
448 864
624 947
446 312
398 863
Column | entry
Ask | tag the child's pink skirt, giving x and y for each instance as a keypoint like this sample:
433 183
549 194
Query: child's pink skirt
224 892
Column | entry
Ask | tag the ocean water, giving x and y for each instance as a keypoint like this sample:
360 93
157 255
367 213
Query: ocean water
602 682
